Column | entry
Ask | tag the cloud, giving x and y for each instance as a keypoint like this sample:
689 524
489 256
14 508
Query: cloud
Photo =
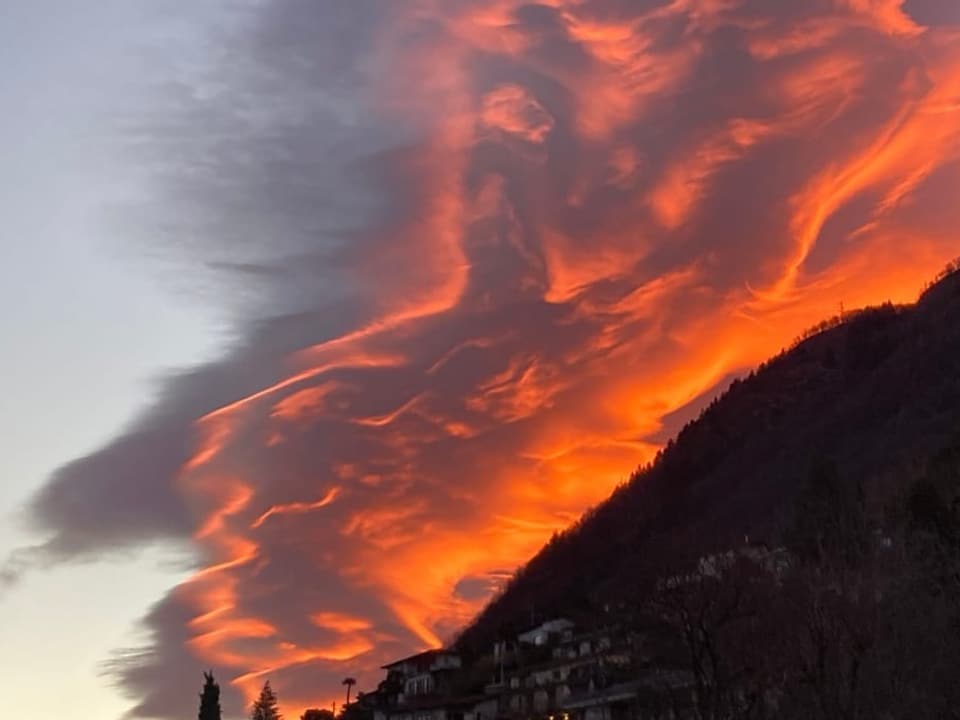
482 258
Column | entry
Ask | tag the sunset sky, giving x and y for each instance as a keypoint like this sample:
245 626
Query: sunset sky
321 316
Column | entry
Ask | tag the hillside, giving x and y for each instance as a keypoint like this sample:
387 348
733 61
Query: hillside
877 395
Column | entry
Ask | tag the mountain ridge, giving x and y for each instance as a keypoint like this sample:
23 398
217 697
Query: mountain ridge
877 392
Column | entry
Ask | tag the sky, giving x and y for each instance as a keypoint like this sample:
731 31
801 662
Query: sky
323 316
88 332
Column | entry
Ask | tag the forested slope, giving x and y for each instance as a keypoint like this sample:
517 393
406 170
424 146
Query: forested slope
876 395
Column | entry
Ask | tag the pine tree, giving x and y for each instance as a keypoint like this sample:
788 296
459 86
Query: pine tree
266 707
209 698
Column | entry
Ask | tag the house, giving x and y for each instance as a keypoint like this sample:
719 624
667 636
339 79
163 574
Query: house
617 702
652 694
547 632
424 674
453 707
549 664
424 687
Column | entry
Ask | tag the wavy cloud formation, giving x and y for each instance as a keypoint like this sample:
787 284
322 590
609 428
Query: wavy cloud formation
489 254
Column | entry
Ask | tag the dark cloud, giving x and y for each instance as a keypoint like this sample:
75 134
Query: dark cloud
482 258
933 12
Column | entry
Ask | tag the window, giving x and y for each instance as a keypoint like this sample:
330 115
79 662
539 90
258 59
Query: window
541 700
419 685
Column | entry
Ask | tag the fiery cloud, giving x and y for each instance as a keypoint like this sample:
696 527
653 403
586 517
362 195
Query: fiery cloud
500 251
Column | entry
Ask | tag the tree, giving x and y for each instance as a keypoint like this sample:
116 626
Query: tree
715 631
266 707
314 714
359 709
830 524
209 698
349 682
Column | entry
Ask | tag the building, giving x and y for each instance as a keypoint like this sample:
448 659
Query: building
547 633
425 687
773 561
425 674
617 702
543 668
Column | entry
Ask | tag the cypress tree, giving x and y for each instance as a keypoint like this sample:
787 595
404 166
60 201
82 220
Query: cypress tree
209 698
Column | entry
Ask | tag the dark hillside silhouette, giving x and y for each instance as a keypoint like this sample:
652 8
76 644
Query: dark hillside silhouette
853 432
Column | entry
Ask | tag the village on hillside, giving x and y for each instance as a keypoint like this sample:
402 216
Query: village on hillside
550 671
559 671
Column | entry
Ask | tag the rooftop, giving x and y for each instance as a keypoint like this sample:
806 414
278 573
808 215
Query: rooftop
421 657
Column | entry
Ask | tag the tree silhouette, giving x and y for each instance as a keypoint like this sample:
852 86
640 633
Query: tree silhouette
209 698
266 707
349 682
315 714
829 518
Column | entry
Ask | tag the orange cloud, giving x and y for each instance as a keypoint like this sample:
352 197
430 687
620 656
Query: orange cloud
594 214
512 110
